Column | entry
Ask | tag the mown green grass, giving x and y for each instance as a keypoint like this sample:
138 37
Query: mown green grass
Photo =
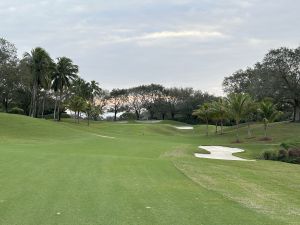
65 173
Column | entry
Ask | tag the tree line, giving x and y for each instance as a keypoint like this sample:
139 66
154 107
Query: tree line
39 86
276 77
266 92
238 107
157 102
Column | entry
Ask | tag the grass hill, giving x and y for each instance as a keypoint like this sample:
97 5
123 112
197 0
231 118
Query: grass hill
140 173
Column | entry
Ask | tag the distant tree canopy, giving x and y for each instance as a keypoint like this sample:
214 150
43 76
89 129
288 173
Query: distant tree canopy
39 86
9 79
277 76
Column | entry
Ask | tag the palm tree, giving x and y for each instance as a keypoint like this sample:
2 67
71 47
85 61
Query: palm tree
46 86
88 109
214 117
220 112
65 72
269 114
47 83
251 109
204 113
237 109
77 104
55 87
39 62
95 91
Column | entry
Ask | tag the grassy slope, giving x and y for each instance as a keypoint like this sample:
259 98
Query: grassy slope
63 173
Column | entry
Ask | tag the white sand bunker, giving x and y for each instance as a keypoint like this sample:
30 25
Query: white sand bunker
220 152
103 136
148 121
185 128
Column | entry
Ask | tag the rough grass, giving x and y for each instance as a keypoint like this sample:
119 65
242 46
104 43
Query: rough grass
63 173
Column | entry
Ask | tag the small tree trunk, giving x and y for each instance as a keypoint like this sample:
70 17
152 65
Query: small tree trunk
115 117
151 115
55 107
78 117
36 112
58 107
297 111
137 115
216 127
5 105
31 104
173 116
33 112
43 107
249 130
237 131
265 128
206 127
39 103
88 119
221 127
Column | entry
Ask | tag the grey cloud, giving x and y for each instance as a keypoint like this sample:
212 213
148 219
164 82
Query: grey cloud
175 42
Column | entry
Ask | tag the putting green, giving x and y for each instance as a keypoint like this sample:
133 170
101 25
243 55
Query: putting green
65 173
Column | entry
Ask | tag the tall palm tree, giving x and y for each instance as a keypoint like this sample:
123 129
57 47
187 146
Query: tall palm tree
39 62
46 84
204 113
269 114
251 110
95 90
220 112
237 109
65 72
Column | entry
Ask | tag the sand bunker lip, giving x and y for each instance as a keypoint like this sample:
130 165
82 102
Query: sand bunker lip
184 128
220 152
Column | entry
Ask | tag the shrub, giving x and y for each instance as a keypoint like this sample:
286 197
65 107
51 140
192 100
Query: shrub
50 116
283 154
294 153
285 145
127 116
17 110
295 160
270 155
290 155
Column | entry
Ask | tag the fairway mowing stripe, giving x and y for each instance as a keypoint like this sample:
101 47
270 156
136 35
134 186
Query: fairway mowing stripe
103 136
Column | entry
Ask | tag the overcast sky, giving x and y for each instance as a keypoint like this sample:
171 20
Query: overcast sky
122 43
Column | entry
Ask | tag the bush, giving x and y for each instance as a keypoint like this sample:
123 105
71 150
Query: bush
270 155
283 154
295 160
50 116
127 116
294 153
290 155
17 110
289 145
285 145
